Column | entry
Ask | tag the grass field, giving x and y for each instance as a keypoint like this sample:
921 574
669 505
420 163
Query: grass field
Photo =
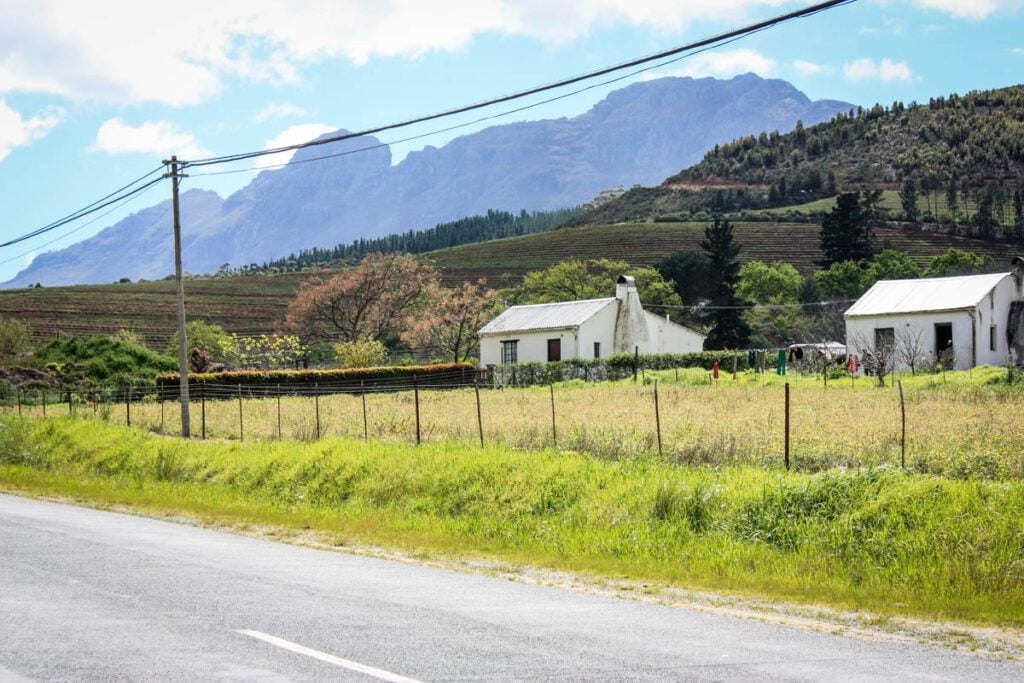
878 539
959 424
253 305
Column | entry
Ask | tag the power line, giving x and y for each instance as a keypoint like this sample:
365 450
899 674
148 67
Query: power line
96 206
747 307
707 42
481 119
126 200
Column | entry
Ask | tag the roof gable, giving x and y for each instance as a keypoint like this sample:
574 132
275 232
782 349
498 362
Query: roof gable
892 297
560 315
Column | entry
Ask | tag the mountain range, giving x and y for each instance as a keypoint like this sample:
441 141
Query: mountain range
639 134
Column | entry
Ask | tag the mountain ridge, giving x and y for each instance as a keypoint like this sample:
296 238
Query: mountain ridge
638 134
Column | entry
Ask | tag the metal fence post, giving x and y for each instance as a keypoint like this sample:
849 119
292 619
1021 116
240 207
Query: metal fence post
128 405
202 399
279 412
44 402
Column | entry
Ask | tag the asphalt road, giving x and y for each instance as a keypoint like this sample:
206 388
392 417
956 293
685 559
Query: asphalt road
93 595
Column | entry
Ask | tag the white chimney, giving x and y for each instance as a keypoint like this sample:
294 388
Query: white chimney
630 322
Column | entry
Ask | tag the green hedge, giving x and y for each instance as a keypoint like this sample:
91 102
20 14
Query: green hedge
443 375
615 367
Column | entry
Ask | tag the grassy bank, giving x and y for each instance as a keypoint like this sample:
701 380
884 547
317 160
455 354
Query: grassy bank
959 424
879 539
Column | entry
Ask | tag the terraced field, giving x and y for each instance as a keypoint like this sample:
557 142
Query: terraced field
504 262
252 305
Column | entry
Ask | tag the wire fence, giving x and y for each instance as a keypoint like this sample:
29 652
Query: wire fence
792 421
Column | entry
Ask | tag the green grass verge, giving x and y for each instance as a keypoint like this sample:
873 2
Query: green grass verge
876 539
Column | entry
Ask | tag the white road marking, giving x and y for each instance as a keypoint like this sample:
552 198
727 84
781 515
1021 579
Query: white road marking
330 659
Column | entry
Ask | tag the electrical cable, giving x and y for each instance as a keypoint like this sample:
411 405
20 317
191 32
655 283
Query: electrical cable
96 206
707 42
126 200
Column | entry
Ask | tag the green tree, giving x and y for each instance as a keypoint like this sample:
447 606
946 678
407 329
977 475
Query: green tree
846 231
957 262
844 280
574 279
775 283
890 264
691 275
203 336
361 354
14 336
908 200
728 329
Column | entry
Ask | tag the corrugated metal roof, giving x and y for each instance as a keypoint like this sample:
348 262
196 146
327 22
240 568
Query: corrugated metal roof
888 297
545 316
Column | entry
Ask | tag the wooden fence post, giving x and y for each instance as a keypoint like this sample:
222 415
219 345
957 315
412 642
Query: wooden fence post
657 415
128 405
479 414
787 426
416 398
202 399
241 423
903 428
554 432
279 412
316 405
366 423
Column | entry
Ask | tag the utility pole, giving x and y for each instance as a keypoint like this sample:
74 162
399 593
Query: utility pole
186 426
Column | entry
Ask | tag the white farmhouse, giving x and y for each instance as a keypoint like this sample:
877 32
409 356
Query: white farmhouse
970 320
593 328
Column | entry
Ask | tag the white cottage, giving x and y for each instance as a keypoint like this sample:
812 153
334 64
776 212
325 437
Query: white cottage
593 328
971 320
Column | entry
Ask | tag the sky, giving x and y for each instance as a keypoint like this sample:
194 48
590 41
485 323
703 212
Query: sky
96 94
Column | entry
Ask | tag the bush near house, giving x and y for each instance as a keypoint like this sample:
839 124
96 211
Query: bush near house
450 374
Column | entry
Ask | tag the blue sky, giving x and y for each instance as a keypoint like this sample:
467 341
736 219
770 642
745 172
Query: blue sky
93 95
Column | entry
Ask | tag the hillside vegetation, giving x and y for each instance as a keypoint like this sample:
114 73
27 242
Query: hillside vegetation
960 154
254 304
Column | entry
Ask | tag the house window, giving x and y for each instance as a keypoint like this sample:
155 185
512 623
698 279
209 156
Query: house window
510 352
993 340
597 349
554 350
885 338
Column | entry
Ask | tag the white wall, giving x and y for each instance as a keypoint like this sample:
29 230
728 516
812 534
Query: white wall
532 347
663 337
970 330
600 327
669 337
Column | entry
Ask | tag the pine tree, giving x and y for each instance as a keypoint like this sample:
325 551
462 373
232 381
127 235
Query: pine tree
729 330
846 231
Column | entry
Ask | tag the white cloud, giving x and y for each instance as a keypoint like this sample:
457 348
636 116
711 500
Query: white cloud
1019 51
124 54
869 70
810 68
159 138
280 110
17 131
294 135
971 9
723 64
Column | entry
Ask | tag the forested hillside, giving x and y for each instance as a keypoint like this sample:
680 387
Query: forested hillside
490 226
957 160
